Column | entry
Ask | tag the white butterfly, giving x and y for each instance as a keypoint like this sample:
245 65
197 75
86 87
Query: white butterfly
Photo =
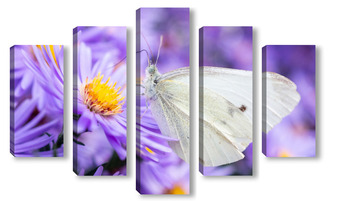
225 109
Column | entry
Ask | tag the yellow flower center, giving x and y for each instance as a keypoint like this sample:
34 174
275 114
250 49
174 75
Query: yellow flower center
176 190
284 154
102 98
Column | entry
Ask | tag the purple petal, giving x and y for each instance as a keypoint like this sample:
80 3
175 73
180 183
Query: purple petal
99 171
23 111
24 136
33 144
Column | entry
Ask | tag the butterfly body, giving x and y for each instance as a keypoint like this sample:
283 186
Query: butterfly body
152 76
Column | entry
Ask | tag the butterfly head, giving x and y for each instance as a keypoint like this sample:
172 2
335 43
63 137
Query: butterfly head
152 71
152 75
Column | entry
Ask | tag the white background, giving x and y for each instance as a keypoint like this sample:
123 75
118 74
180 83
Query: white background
275 22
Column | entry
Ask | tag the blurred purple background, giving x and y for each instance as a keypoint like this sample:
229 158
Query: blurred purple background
173 25
159 169
229 47
294 136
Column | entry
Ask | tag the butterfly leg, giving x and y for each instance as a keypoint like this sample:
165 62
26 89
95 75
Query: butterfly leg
145 110
140 85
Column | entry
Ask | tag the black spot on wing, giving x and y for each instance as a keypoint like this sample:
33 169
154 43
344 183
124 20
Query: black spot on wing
243 108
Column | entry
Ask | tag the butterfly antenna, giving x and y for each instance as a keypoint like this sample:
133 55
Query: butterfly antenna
144 38
147 55
160 45
118 64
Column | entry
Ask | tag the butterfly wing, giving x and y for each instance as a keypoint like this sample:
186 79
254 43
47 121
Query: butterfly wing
221 120
236 86
225 114
225 111
279 99
226 133
171 111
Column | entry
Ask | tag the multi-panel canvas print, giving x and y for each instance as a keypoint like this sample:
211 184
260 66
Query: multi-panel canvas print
289 100
36 110
162 100
99 101
225 100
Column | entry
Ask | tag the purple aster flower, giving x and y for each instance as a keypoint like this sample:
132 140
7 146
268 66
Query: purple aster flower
20 74
47 67
36 105
97 173
168 176
95 108
100 99
100 171
94 150
34 133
